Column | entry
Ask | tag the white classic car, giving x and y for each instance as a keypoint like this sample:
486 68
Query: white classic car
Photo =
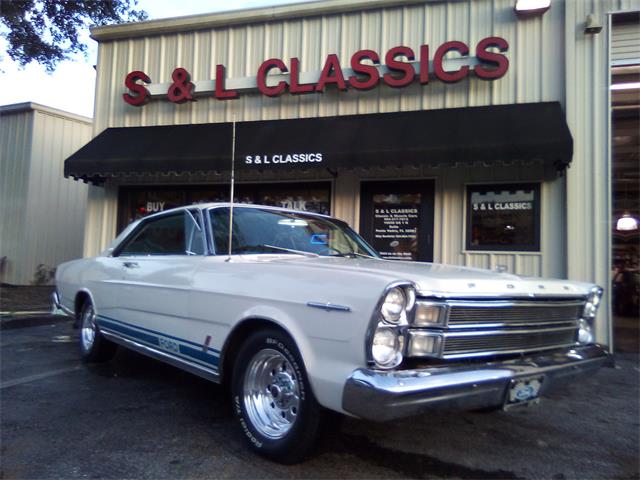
304 317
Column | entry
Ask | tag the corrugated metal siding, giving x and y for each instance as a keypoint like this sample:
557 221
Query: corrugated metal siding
46 223
588 179
56 207
532 77
625 43
15 160
100 228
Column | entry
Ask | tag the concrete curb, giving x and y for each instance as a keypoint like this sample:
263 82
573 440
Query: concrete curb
24 321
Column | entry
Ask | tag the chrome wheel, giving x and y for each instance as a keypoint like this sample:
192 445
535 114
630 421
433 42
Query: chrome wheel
271 393
88 328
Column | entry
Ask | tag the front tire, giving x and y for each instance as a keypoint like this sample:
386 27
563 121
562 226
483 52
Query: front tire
272 398
93 346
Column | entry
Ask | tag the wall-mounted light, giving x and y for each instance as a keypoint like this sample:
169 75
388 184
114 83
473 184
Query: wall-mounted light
626 223
592 26
625 86
530 8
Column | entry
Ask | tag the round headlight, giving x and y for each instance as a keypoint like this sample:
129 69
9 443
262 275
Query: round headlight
385 347
393 305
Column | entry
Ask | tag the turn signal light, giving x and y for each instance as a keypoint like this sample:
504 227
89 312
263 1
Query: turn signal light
430 315
424 344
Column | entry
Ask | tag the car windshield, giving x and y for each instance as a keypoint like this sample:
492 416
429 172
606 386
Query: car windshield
258 230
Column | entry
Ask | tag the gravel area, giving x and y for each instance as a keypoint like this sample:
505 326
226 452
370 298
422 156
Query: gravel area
25 299
29 306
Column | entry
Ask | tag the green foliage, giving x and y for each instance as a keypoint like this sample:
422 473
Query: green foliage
46 31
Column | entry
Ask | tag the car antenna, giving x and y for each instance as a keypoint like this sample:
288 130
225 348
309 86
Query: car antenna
233 182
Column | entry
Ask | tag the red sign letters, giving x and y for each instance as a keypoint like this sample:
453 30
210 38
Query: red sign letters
399 61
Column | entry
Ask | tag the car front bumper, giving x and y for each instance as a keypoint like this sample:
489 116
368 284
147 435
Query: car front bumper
387 395
57 308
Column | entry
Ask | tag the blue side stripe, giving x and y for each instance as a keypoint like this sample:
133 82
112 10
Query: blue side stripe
130 332
196 355
210 362
198 345
199 354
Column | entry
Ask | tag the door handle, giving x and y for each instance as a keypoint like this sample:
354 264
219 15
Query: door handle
130 265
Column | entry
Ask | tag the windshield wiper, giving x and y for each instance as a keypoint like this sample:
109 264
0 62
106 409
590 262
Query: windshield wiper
354 254
291 250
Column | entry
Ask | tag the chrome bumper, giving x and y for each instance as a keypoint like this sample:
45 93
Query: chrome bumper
379 395
57 308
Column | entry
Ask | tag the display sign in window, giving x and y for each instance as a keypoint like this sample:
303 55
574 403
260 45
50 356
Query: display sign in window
395 225
396 218
503 217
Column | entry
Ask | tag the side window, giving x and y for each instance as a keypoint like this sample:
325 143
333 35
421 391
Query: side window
194 233
164 236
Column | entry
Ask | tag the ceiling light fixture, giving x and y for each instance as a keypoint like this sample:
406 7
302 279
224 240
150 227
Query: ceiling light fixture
530 8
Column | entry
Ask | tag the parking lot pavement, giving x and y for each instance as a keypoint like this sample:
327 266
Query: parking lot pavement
137 418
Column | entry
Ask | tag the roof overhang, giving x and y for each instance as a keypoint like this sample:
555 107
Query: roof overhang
245 16
486 136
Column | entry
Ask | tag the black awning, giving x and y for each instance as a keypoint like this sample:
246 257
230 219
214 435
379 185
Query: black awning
495 135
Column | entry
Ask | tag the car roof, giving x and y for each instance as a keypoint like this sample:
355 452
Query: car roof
206 206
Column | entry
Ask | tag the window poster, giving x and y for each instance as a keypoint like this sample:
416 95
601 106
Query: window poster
395 226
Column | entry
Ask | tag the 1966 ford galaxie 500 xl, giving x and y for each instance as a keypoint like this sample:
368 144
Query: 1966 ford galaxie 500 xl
304 317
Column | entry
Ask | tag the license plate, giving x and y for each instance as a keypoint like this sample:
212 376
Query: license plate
523 391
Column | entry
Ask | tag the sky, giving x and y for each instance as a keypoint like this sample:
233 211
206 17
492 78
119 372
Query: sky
71 86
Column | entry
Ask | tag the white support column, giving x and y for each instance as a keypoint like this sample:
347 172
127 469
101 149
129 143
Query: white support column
346 198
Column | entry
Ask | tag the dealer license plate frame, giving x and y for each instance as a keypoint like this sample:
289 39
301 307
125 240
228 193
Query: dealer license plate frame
523 392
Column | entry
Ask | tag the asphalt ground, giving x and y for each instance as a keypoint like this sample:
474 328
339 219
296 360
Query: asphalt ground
137 418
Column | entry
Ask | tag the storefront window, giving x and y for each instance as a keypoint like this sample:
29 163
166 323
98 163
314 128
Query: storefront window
503 217
137 202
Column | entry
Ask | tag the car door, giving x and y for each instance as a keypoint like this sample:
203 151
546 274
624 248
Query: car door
158 261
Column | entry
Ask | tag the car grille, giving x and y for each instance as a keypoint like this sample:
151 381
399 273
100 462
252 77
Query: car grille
514 315
499 327
500 341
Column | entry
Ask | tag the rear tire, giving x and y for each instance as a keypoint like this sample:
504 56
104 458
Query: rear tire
272 398
93 346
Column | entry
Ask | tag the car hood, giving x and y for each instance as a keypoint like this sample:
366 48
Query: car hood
440 279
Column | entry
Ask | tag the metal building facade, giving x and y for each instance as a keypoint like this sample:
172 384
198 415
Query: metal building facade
42 213
551 59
